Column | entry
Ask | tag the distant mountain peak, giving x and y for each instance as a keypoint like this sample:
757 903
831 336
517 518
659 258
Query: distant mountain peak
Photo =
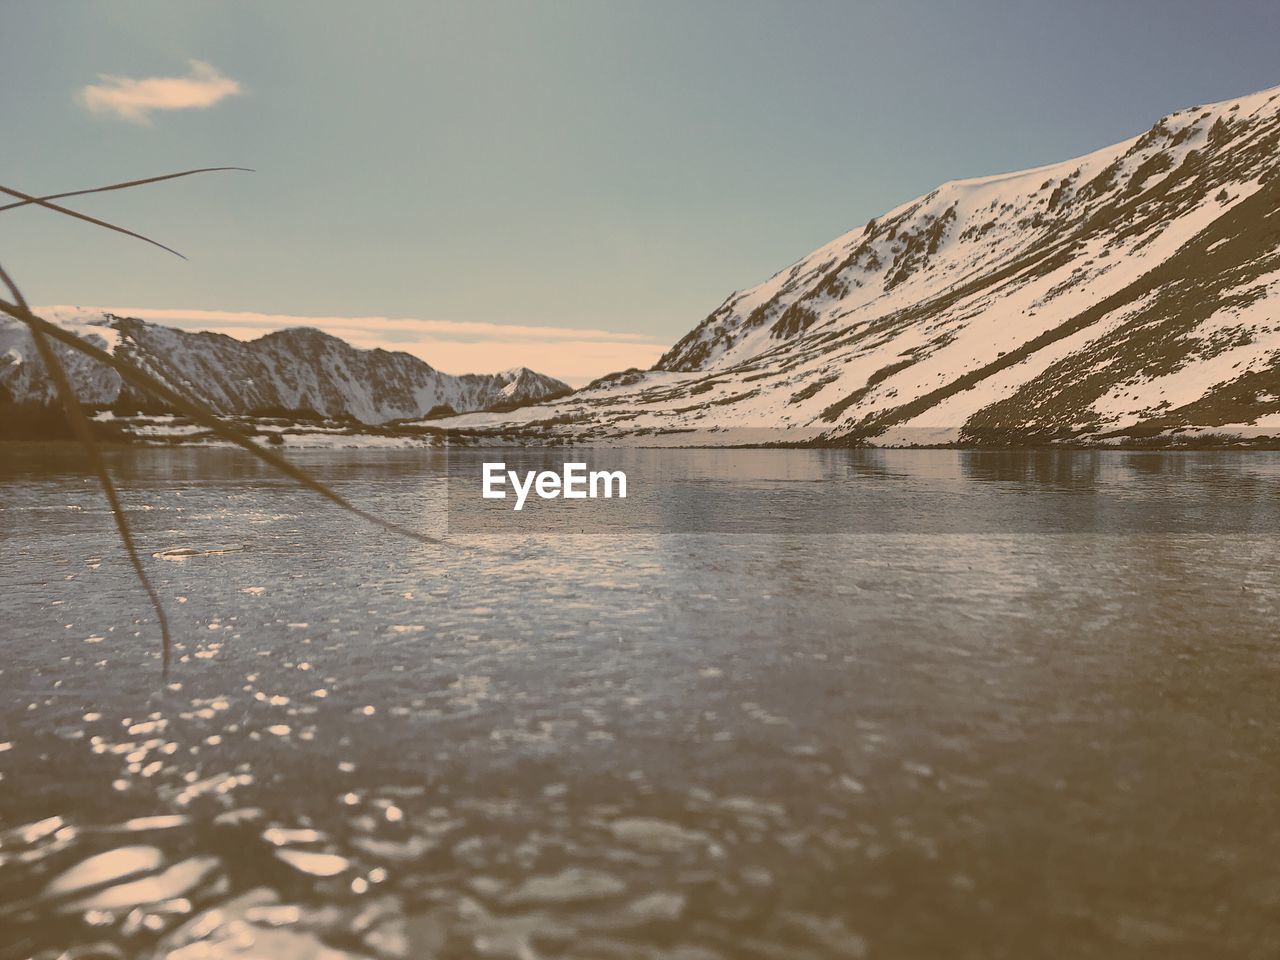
300 368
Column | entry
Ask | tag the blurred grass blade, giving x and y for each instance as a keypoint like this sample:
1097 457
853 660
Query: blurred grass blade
44 333
198 412
117 186
28 198
84 433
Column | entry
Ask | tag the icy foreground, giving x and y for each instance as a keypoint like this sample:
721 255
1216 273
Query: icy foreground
1129 293
296 369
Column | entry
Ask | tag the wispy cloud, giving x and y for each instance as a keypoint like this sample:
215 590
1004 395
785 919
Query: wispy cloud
573 355
136 100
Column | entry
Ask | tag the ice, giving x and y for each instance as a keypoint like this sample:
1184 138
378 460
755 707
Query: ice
103 868
176 881
576 884
314 864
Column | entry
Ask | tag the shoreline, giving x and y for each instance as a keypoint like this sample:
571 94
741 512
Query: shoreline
423 442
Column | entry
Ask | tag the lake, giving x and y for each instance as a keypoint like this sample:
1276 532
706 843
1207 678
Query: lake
777 704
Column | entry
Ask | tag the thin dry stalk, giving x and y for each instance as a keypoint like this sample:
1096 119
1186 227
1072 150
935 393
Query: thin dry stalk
116 186
84 433
44 333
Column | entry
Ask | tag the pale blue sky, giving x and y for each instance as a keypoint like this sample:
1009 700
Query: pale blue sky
579 164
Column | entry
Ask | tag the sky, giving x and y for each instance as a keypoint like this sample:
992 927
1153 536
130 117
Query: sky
567 185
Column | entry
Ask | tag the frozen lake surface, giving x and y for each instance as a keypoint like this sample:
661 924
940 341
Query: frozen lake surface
886 704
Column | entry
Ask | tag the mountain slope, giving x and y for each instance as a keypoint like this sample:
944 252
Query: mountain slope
1129 292
295 369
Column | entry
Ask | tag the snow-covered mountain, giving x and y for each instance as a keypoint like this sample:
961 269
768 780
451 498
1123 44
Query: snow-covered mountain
1131 292
295 369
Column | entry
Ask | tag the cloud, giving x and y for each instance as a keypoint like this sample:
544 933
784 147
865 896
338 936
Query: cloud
570 354
136 100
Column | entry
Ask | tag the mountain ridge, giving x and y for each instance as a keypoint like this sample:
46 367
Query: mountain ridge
299 368
1128 292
